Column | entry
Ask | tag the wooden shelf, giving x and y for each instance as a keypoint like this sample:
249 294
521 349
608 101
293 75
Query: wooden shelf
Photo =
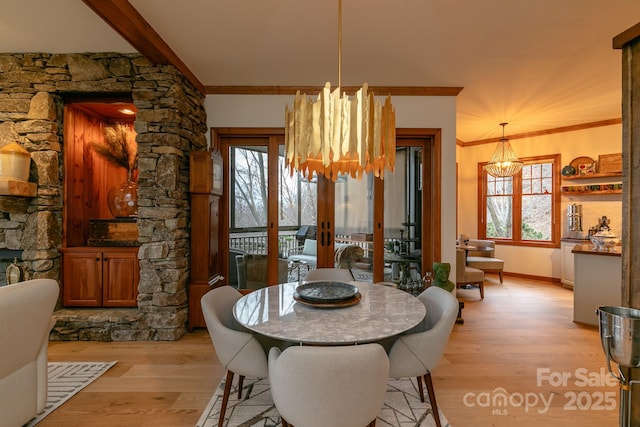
589 193
14 187
595 175
597 188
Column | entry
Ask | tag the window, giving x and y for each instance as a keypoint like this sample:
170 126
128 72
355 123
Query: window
249 187
525 208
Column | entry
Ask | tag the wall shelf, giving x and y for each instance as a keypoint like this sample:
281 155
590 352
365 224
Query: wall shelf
594 175
583 190
14 187
589 193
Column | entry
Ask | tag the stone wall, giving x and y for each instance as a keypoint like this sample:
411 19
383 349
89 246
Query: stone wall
171 122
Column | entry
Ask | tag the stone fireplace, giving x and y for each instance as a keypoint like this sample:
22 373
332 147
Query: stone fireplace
170 123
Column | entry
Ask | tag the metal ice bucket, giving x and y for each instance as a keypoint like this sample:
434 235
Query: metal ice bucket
620 338
620 334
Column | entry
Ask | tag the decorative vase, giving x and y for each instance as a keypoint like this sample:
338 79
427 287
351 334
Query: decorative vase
14 162
123 200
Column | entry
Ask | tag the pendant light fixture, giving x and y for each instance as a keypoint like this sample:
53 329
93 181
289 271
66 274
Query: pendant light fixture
335 135
504 161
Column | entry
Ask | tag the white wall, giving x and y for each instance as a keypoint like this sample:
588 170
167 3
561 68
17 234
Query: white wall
588 142
411 112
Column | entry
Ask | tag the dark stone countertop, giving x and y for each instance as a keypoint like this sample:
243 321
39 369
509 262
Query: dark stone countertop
587 248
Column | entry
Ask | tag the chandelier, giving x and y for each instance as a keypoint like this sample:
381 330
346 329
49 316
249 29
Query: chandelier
504 161
334 135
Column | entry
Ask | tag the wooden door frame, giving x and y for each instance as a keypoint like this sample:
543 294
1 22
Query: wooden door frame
431 237
431 203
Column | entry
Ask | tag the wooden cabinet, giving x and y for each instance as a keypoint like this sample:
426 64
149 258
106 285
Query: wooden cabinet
567 263
100 277
205 221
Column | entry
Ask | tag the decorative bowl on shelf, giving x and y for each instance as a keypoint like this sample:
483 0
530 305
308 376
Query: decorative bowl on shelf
603 240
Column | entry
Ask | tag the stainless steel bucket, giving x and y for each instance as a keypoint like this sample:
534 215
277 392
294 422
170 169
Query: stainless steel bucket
620 338
620 334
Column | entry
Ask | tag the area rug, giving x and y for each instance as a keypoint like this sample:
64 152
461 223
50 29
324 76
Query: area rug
402 406
66 379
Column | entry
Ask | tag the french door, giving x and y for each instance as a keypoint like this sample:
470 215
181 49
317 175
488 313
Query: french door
265 204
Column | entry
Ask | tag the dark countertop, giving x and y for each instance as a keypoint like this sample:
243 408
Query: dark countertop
574 240
587 248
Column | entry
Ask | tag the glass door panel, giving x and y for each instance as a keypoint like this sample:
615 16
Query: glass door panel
353 243
403 219
248 216
297 216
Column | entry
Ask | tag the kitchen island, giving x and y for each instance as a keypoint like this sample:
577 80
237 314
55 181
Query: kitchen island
597 281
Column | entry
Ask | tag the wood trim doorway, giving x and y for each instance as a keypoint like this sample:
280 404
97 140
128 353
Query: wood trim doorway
429 138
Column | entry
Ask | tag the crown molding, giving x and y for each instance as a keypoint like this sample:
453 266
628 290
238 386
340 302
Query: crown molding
543 132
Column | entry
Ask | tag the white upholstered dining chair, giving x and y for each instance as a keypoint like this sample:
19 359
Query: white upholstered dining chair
420 350
329 386
330 274
237 349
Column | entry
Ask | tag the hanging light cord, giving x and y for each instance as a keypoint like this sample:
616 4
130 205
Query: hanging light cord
339 43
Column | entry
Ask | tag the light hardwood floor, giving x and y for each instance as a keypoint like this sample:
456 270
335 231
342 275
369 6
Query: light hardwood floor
520 327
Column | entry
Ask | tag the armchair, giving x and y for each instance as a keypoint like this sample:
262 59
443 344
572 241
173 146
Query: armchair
252 271
25 319
466 275
484 258
308 254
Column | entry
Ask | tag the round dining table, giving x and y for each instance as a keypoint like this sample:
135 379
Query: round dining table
382 312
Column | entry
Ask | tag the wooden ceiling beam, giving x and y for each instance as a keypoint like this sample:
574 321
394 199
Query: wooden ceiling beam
128 22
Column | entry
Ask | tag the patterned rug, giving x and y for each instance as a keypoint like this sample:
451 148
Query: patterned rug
65 380
402 406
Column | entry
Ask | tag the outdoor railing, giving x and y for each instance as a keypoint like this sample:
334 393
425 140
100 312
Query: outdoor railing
256 243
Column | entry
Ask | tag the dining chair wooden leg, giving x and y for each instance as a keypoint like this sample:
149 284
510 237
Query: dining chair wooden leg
285 423
481 286
225 397
420 390
240 381
432 398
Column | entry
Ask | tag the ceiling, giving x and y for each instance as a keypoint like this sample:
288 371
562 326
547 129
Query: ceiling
537 65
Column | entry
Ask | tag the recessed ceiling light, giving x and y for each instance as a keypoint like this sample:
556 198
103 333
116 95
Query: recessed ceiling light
126 111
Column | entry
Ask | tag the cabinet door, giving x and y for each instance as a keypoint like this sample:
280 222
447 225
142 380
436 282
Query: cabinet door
196 318
567 264
121 274
82 279
214 221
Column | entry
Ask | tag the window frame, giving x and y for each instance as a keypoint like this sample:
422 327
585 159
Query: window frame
516 238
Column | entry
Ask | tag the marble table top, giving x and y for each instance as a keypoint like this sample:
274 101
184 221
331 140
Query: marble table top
382 312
